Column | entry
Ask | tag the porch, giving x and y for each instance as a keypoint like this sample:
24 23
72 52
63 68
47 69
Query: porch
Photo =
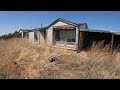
64 36
87 37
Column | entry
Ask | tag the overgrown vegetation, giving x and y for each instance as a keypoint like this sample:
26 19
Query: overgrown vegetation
20 59
11 35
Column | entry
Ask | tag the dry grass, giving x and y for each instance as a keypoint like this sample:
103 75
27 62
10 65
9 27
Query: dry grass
20 59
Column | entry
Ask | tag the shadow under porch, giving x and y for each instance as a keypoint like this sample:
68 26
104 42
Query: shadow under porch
87 38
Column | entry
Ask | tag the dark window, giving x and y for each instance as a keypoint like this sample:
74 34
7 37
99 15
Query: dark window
57 35
25 35
44 34
70 36
62 35
35 36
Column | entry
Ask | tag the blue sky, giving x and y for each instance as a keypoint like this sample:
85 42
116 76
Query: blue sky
11 21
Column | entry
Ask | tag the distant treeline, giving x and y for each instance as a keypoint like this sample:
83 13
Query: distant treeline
11 35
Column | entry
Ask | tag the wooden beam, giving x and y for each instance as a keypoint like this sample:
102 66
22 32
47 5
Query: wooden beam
112 44
82 40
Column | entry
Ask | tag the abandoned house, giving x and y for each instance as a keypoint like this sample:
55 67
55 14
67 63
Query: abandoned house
70 35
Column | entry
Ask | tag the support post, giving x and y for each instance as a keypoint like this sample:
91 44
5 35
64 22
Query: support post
38 37
82 40
112 44
77 38
22 34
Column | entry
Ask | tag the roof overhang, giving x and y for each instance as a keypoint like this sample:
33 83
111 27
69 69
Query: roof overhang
64 27
116 33
41 29
62 20
24 30
99 31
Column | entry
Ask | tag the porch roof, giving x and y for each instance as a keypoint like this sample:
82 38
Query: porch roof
93 30
39 29
116 33
24 30
100 31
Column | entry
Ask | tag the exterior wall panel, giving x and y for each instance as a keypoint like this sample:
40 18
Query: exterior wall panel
60 23
50 36
42 37
31 36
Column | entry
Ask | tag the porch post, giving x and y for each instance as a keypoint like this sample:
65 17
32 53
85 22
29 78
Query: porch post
77 39
38 37
82 40
112 44
22 34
